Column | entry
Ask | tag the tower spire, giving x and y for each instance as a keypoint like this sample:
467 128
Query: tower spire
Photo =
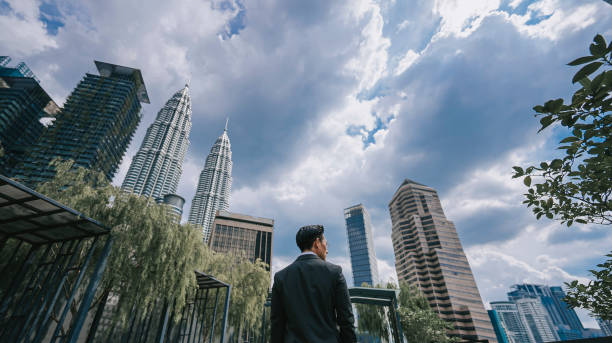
226 121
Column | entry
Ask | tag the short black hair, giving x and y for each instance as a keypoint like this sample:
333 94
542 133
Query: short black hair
307 235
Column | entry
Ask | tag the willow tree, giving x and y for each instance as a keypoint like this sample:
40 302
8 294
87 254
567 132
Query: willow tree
420 324
153 257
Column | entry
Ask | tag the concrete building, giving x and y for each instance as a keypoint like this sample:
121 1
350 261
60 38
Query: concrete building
94 128
214 186
242 235
429 255
157 166
516 328
361 245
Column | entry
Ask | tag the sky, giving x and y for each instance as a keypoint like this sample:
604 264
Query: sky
334 103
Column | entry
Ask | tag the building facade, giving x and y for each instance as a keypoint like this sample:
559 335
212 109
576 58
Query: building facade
175 203
242 235
361 245
23 104
605 325
95 126
214 186
157 166
498 327
516 328
538 321
429 255
564 319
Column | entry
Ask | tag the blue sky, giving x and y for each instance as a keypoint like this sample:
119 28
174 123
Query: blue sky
335 103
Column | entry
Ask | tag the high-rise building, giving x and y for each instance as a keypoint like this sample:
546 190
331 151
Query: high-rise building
95 126
516 328
605 325
175 202
242 235
361 245
429 255
498 327
23 104
214 186
537 319
565 321
157 166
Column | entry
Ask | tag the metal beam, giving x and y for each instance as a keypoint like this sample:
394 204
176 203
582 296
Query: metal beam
90 292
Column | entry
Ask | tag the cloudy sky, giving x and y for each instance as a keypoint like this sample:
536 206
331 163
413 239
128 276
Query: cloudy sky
334 103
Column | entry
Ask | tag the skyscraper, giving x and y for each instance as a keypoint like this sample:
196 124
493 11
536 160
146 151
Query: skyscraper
605 325
242 235
429 255
157 166
564 318
536 317
214 186
498 327
516 328
361 245
95 126
23 103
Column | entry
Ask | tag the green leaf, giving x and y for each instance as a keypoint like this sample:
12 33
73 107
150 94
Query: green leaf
569 139
600 41
582 60
545 121
544 165
586 71
597 50
581 221
549 215
527 181
539 109
519 171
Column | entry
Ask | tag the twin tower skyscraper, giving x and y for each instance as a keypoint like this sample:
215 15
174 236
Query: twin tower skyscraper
156 168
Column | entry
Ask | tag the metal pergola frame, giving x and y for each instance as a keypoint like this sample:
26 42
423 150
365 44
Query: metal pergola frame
365 295
164 321
381 297
52 249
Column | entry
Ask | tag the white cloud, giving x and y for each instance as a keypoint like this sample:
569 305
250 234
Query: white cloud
462 17
561 21
21 33
409 58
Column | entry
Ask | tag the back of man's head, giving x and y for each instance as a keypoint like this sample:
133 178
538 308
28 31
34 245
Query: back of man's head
307 235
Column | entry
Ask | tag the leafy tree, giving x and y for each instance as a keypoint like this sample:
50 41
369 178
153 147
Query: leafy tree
577 187
153 257
419 322
596 296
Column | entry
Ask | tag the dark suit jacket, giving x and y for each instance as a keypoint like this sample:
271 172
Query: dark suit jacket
310 302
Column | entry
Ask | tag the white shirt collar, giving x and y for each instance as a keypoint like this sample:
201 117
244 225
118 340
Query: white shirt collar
308 253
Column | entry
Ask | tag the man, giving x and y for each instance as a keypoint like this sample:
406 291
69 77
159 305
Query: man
310 299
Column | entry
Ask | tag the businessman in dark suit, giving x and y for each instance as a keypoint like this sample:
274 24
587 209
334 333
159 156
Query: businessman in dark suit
310 301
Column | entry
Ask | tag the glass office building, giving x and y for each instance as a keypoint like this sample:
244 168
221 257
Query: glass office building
95 126
536 317
514 325
564 319
214 186
429 255
23 103
361 245
498 326
157 166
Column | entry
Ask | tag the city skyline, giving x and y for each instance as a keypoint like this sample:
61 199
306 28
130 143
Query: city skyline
337 103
